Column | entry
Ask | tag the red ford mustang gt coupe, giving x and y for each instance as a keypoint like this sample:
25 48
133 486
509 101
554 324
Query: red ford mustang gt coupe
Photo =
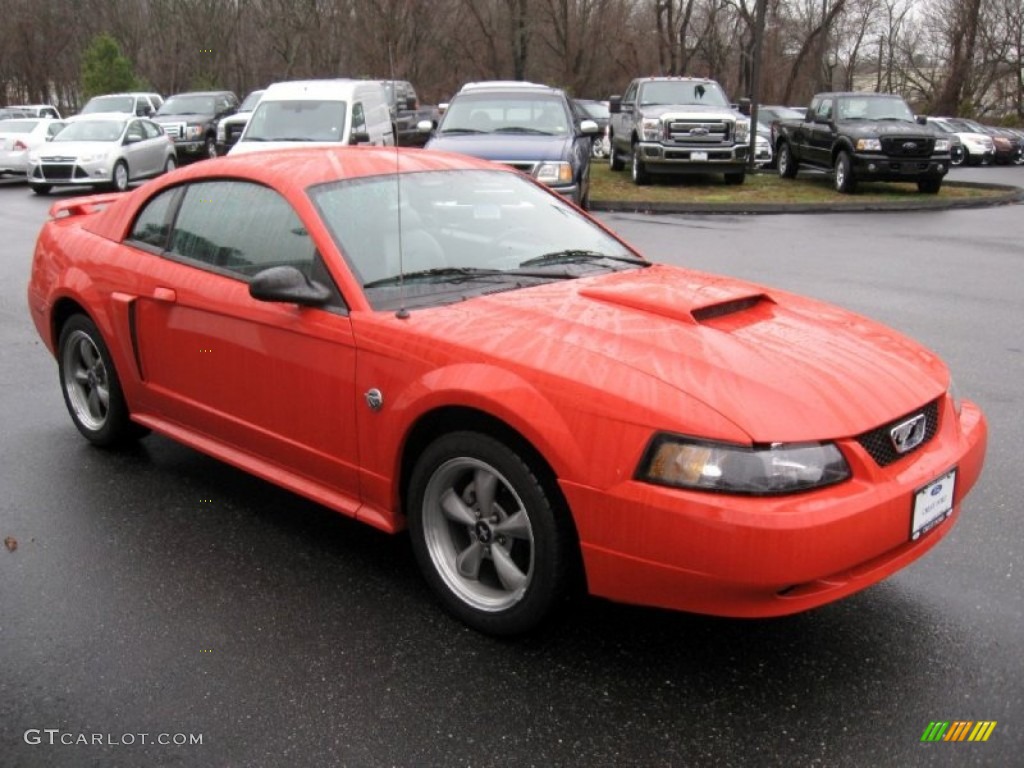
429 342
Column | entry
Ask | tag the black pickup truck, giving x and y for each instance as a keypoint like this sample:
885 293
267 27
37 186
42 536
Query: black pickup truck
863 137
407 113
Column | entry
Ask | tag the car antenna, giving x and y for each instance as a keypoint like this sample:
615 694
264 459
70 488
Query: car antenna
402 313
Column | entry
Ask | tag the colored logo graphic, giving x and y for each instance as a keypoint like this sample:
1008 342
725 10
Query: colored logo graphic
959 730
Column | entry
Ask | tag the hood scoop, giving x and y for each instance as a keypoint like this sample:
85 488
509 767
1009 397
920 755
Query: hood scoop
677 302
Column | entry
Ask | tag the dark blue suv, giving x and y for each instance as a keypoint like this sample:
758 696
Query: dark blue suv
531 127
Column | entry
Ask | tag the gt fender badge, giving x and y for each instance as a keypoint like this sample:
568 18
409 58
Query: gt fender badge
374 399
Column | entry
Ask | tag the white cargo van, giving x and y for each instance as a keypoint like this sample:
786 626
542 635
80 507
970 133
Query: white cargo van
318 113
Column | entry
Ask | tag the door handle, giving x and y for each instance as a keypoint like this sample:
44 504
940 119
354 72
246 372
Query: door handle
165 294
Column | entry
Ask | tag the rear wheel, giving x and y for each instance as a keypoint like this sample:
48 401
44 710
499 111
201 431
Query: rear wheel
486 534
614 161
844 180
92 390
786 162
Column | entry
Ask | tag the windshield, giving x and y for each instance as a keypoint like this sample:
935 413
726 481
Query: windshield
594 109
874 108
307 120
91 130
675 92
461 233
507 113
251 101
188 105
109 104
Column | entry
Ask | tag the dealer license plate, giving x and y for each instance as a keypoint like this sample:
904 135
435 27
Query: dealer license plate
933 504
699 156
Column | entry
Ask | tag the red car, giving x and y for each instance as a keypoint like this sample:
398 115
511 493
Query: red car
429 342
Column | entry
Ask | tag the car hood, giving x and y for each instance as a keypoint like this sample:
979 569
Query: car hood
182 117
504 146
880 128
75 148
780 367
701 110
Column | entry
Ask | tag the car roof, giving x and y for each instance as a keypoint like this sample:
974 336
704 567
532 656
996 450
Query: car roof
202 93
483 85
109 116
317 89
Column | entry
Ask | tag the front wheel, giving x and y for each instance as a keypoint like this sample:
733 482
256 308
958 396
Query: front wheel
170 165
486 534
210 147
735 178
92 390
844 180
638 169
41 189
929 186
119 179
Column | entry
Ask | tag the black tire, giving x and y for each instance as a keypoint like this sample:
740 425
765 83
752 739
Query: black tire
929 186
735 178
614 161
171 164
845 182
91 387
41 189
487 536
119 176
786 163
210 147
959 158
637 169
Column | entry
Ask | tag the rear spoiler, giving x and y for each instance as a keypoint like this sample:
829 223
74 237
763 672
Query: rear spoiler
83 206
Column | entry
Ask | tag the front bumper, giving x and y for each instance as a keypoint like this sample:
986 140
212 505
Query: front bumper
190 147
868 167
659 158
769 556
70 173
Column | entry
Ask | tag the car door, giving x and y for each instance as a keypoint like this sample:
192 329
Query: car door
269 380
820 133
133 149
156 147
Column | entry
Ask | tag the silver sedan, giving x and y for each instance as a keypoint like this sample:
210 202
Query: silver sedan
101 151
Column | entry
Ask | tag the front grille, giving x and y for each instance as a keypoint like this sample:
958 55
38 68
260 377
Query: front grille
907 146
878 442
58 171
679 130
174 130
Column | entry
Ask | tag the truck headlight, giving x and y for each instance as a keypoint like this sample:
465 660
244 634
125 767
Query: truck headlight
554 173
869 145
727 468
742 130
942 145
193 131
650 129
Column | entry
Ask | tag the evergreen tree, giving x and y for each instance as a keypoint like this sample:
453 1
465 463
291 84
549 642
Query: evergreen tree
105 69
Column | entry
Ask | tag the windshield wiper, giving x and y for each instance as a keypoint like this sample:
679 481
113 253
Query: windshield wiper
574 255
522 129
461 274
462 130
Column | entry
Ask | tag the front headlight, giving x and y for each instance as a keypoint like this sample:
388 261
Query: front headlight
193 131
942 145
650 129
93 157
742 130
554 173
869 145
781 468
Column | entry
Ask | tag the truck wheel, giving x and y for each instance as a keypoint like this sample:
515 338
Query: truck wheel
735 178
844 180
614 161
929 186
210 148
639 171
787 165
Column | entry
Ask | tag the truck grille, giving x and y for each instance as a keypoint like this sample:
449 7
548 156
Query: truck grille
680 130
907 146
878 442
174 130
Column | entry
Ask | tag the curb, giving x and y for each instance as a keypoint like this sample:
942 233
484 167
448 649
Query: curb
1006 195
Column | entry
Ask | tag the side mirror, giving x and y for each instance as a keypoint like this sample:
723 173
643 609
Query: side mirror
744 107
614 104
289 285
589 127
922 119
359 137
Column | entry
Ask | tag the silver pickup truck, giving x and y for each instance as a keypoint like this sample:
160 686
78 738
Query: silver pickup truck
677 125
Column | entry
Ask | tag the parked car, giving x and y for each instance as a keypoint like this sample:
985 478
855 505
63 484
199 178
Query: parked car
598 112
957 153
19 137
12 113
979 149
38 110
191 119
101 150
531 127
138 104
407 113
769 115
322 113
472 359
231 128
